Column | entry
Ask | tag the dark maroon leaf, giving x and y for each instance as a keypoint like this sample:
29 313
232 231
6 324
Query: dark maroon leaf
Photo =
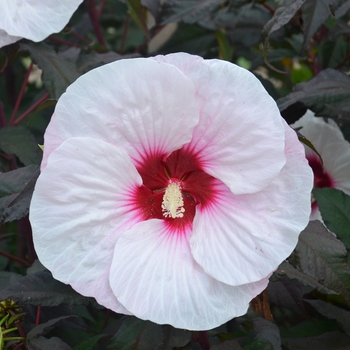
16 189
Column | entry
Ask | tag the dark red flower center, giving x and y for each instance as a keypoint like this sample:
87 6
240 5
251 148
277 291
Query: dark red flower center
321 177
173 187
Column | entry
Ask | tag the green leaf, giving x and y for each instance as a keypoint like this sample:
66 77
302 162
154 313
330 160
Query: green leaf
8 278
309 144
190 38
329 88
19 140
225 48
284 13
16 189
323 257
42 289
58 72
268 331
48 103
287 293
288 270
136 334
334 206
174 337
325 341
332 312
90 343
314 12
190 11
41 327
333 52
91 60
43 343
227 345
138 13
153 6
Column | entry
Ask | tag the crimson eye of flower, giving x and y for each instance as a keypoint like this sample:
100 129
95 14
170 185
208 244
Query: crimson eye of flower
170 189
329 141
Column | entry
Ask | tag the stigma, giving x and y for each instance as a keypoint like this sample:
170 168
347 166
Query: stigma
173 204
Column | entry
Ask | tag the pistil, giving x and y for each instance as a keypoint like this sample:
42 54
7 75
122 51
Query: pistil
173 204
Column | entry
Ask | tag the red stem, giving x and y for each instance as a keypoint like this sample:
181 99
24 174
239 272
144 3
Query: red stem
37 320
91 7
21 93
15 258
272 10
21 333
31 109
79 36
3 120
203 340
64 42
101 8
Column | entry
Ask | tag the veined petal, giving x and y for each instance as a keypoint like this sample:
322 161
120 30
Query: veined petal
155 277
143 106
80 207
258 230
6 39
240 135
35 19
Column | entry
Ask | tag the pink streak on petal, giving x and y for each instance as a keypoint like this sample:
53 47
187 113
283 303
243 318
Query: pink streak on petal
142 106
241 239
240 128
81 205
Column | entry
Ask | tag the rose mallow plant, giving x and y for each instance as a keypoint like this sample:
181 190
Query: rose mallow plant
334 168
170 189
34 19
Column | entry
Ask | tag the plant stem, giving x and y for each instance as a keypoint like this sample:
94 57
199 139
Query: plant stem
64 42
21 93
3 120
203 340
31 109
37 320
91 7
15 258
101 8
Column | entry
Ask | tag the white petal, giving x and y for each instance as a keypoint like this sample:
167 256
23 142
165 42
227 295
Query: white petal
141 105
6 39
80 207
242 239
155 277
35 19
240 135
330 143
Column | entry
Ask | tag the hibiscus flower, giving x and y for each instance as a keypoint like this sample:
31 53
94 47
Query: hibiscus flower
171 189
34 20
329 141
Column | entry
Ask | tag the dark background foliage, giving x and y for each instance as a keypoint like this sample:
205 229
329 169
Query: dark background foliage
299 49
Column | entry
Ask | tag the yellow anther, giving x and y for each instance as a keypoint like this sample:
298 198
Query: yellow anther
172 205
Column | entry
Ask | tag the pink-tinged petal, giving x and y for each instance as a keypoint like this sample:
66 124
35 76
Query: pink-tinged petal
155 277
240 136
80 207
143 106
333 148
6 39
258 230
35 19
